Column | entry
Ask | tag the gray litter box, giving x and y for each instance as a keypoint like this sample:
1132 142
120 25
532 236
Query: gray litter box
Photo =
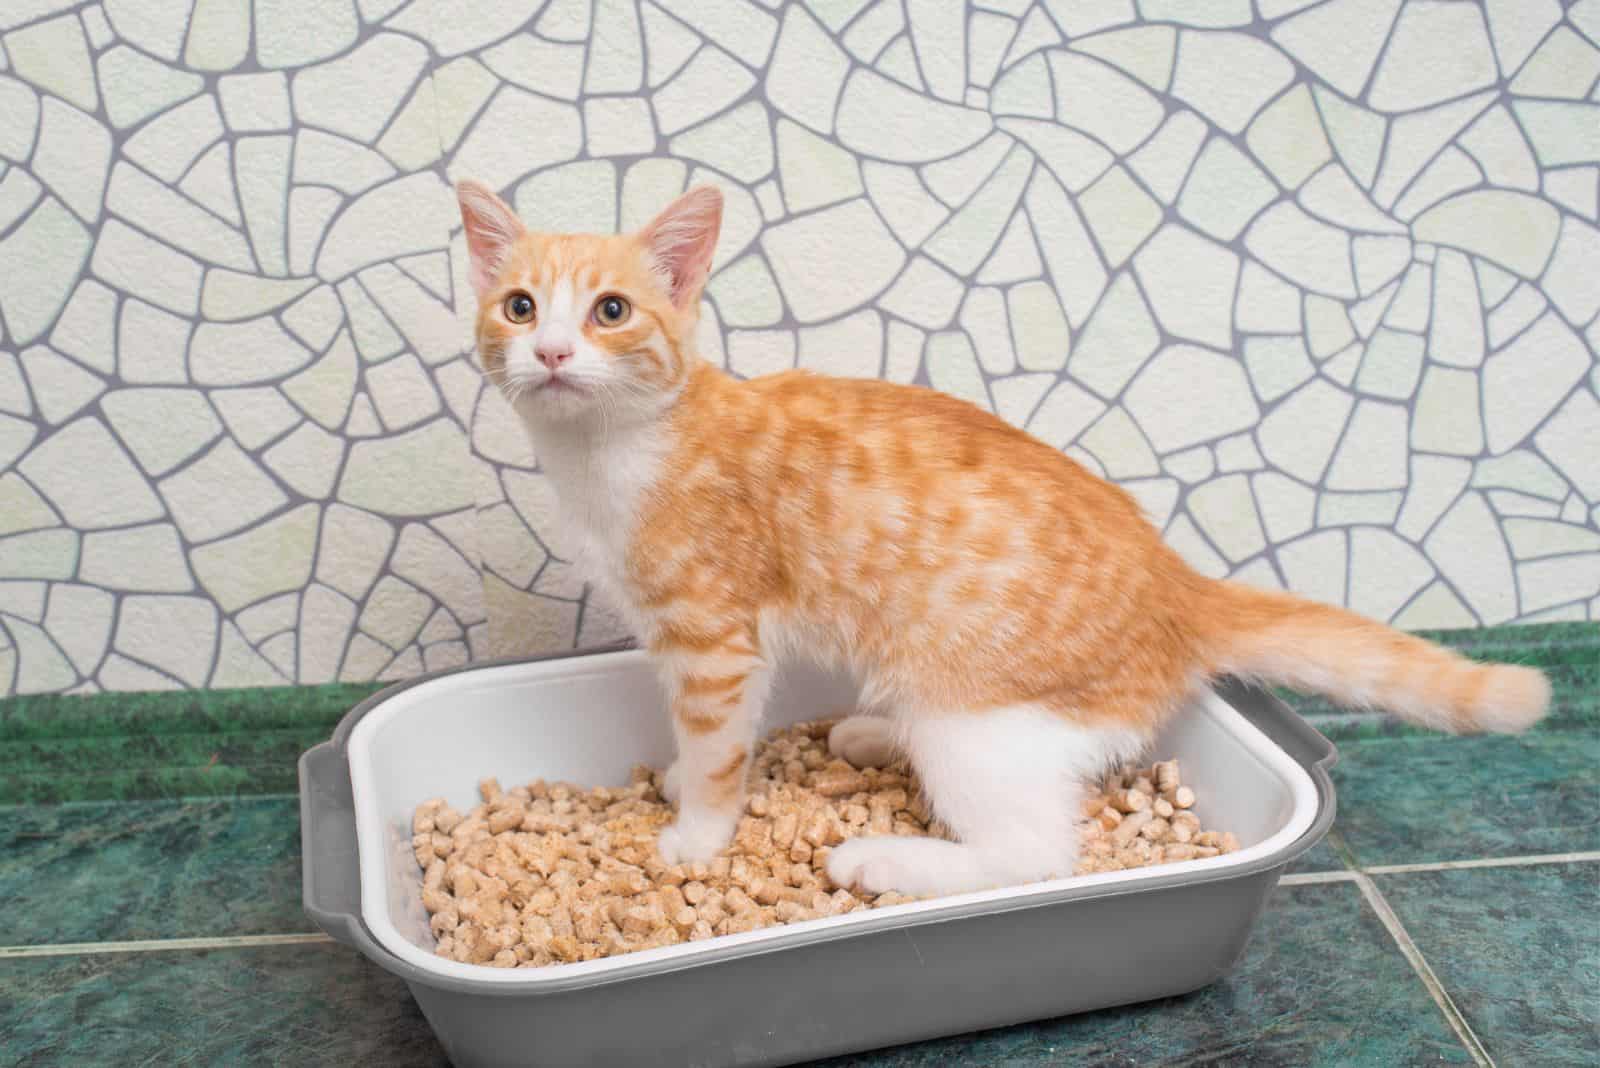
783 994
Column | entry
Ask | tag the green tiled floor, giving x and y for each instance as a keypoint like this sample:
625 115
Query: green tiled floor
96 887
316 1004
1423 798
1518 950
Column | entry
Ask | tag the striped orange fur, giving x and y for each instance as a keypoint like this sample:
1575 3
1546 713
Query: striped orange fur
1014 620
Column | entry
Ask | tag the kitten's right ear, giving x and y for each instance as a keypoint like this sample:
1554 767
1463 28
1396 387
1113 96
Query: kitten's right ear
491 228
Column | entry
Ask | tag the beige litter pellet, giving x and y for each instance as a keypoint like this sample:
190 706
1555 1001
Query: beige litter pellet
550 873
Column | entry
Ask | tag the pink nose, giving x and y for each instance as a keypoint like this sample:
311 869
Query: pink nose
553 354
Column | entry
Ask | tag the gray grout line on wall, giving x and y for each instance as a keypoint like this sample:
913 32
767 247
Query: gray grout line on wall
1424 970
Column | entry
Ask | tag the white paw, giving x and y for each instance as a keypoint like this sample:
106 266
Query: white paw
672 783
695 838
916 866
865 741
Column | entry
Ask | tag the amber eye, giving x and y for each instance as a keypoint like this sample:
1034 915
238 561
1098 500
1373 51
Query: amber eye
519 308
611 311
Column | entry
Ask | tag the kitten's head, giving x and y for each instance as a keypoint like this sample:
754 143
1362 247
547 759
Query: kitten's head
574 326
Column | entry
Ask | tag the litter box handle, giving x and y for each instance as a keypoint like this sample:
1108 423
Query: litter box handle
1286 727
330 868
1304 744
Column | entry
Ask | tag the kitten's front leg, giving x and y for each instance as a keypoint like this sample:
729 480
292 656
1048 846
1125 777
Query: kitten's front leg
669 782
716 699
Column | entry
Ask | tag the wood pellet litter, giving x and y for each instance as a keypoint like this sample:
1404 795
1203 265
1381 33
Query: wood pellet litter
551 872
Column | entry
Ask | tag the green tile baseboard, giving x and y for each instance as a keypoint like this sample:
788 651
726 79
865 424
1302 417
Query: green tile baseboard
188 743
36 716
227 743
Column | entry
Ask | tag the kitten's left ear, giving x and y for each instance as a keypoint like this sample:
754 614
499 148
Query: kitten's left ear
491 228
681 240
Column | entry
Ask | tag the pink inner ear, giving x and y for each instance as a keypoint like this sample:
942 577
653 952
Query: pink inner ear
682 239
491 227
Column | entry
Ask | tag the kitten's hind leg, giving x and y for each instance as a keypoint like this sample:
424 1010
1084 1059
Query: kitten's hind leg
866 741
1008 783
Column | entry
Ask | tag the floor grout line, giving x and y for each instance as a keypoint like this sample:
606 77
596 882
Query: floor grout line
1311 878
1341 875
1485 862
160 945
1425 972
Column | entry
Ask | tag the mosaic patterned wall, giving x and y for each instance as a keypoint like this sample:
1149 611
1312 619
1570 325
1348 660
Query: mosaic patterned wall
1318 282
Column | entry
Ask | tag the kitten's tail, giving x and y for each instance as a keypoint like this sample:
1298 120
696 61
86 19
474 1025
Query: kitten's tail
1286 640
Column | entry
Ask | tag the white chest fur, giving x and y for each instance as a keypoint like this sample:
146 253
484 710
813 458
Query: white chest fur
602 480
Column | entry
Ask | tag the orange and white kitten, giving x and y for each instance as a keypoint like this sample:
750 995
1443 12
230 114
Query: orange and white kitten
1015 622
